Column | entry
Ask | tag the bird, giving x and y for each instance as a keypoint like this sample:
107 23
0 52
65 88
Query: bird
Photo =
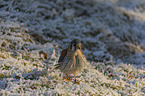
72 60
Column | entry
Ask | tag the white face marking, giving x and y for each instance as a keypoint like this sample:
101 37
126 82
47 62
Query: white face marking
72 47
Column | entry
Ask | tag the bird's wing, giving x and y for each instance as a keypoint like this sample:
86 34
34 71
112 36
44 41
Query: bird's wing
62 56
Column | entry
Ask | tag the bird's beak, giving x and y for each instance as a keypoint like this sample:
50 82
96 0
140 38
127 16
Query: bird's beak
79 46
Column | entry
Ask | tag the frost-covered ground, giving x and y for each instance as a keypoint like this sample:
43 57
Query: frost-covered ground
33 32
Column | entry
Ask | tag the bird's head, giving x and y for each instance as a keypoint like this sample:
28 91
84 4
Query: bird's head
75 45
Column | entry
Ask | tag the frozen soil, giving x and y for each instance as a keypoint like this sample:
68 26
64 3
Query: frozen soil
33 32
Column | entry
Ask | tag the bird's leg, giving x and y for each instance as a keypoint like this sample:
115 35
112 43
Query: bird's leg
76 82
67 78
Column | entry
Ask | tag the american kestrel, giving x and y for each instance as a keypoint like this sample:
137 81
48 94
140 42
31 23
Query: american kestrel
72 60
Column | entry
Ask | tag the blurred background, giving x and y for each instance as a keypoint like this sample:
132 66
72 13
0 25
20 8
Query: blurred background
33 32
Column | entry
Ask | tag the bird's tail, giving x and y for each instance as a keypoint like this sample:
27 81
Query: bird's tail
57 66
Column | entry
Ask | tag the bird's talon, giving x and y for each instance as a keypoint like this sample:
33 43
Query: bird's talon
68 79
77 82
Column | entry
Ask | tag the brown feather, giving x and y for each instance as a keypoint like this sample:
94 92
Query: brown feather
62 56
